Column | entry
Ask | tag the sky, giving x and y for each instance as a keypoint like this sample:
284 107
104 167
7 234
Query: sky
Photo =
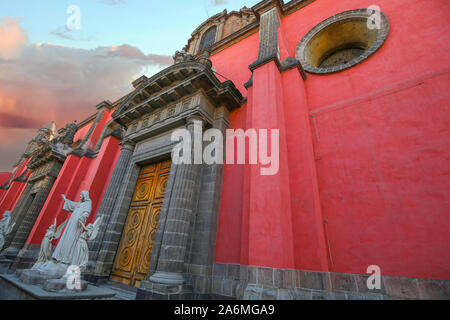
57 65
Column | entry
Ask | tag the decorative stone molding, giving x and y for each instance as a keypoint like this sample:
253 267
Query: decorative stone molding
169 86
268 45
351 26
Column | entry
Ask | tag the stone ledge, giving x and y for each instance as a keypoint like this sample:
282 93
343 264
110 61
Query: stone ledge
12 289
315 284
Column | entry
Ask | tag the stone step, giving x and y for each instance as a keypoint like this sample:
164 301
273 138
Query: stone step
123 292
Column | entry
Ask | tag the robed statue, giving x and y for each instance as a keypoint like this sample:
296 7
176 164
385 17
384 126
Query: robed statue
65 249
5 228
81 254
45 252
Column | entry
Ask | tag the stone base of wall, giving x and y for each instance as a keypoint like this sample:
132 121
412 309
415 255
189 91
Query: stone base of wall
248 282
95 279
230 281
144 294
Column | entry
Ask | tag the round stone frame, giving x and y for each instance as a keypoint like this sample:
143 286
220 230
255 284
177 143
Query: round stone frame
341 17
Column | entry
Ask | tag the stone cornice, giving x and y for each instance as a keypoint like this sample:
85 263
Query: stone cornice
45 154
172 84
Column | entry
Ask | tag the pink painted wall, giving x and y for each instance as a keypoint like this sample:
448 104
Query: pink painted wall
371 176
76 175
4 176
12 195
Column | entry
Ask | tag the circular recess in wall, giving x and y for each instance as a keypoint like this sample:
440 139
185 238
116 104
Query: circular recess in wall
342 41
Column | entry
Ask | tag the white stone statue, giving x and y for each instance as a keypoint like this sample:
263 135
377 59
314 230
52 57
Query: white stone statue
45 253
80 212
81 254
5 227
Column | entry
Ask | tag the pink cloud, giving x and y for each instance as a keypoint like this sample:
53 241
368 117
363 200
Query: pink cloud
44 82
12 38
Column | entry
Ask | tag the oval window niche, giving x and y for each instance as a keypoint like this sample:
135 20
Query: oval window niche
342 41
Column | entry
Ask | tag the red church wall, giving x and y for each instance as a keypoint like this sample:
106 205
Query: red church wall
12 195
76 175
81 133
232 64
4 176
100 171
230 224
372 179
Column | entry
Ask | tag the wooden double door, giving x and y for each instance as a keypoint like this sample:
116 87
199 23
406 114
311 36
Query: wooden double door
133 256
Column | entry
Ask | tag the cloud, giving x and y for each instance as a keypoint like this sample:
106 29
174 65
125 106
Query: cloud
44 82
12 38
63 33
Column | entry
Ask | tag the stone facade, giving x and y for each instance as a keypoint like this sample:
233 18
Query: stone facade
135 132
184 245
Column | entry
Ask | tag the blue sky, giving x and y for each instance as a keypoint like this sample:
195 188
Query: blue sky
159 27
67 73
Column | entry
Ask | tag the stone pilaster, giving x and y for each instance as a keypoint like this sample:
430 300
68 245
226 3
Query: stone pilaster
17 216
109 199
180 211
118 215
31 214
268 35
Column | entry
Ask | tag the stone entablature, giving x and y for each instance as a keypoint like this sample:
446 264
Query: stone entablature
169 87
173 115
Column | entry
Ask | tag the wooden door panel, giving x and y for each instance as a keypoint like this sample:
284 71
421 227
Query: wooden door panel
130 235
133 256
143 189
161 186
147 241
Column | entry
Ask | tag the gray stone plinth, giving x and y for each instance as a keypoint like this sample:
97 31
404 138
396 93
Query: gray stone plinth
33 277
12 289
168 278
60 285
49 270
5 264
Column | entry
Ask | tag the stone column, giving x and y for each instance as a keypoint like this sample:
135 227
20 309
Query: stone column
110 197
180 210
119 212
16 214
31 214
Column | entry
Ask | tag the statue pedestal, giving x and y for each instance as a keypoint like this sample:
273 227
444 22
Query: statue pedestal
12 288
51 276
33 277
53 270
60 285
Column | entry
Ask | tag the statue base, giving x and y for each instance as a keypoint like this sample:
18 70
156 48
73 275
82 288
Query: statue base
12 288
52 277
53 269
33 277
60 285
